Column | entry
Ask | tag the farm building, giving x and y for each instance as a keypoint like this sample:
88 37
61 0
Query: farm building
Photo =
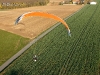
90 2
77 1
73 1
93 3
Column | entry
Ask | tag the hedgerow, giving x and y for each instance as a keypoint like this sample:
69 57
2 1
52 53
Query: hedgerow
22 4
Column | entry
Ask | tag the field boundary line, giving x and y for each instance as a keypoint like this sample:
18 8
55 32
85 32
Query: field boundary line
9 61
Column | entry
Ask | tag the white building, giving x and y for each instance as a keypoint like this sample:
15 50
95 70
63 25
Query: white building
93 3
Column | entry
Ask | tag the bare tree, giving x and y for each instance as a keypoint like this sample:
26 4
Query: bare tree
86 1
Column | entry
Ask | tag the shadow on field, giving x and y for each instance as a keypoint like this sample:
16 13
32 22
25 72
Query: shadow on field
22 24
15 72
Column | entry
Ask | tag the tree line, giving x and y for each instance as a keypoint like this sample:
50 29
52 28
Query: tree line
17 4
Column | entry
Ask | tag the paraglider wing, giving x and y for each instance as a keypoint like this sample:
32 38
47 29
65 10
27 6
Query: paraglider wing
43 14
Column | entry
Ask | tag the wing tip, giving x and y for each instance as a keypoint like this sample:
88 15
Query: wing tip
16 23
69 33
18 19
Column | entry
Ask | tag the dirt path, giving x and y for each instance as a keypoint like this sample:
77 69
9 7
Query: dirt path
33 26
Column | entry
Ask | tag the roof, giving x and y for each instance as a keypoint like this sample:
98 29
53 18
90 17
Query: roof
93 3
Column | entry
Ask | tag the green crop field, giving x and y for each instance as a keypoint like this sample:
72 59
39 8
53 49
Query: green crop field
10 44
59 54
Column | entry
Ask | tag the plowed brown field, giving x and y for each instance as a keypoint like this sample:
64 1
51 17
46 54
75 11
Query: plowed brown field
33 26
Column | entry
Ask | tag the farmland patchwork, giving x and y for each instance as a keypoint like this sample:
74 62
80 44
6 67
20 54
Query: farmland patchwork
59 54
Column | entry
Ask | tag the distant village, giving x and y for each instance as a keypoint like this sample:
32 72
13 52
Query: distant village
58 2
63 2
76 1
